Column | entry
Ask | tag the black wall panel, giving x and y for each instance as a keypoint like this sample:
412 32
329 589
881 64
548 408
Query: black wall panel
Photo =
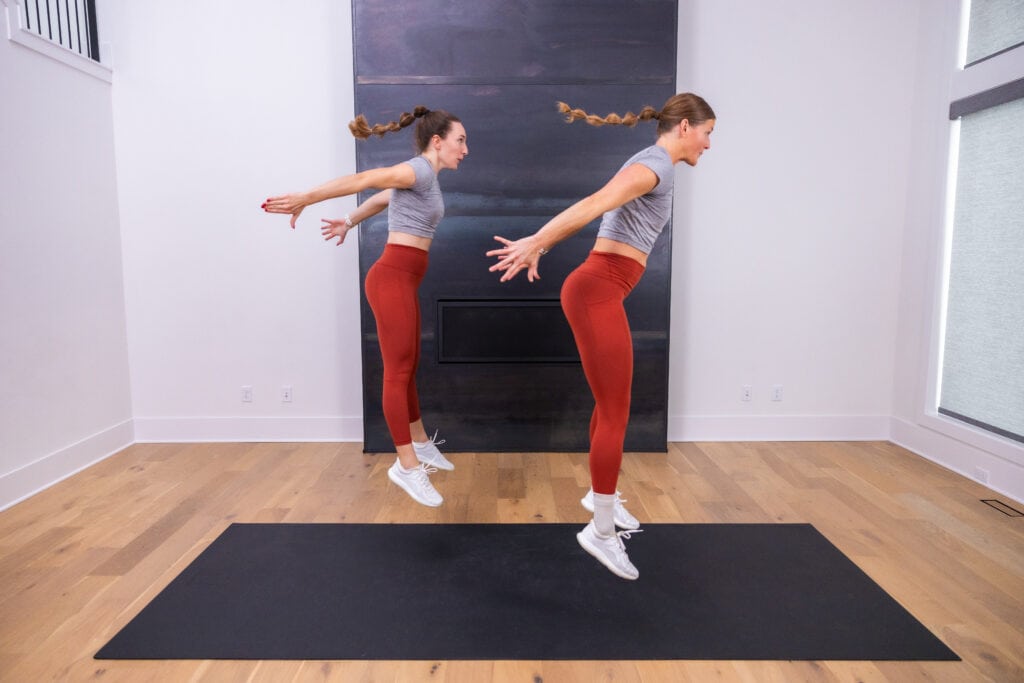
501 65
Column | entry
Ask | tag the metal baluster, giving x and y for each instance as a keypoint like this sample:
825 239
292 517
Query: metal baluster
78 27
60 29
67 14
90 18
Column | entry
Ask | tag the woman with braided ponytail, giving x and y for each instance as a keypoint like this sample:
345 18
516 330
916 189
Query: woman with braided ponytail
635 206
412 195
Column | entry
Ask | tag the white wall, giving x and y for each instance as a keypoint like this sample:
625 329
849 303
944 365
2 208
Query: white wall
804 251
216 106
64 389
789 232
810 240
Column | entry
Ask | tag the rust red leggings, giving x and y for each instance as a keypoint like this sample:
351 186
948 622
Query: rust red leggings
592 299
392 285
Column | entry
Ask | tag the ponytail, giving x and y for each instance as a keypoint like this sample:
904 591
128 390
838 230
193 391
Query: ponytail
431 123
687 106
362 130
630 119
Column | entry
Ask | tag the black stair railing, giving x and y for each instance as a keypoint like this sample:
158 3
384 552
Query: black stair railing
71 23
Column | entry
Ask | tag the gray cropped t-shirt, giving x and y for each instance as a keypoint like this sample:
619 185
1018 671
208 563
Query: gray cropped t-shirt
639 222
418 209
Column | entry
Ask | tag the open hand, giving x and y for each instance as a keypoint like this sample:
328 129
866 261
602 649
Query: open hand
515 256
334 228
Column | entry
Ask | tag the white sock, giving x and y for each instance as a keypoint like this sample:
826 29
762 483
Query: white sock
604 513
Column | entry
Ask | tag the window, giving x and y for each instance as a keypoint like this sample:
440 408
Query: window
982 368
994 27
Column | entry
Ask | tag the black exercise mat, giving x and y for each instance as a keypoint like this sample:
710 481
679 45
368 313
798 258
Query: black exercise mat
521 591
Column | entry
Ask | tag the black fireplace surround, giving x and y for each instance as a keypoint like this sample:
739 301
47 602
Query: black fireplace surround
499 371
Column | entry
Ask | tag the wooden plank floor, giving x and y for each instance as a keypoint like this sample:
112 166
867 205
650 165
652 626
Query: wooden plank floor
80 559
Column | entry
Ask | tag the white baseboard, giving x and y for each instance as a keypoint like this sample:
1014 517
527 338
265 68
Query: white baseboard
778 428
999 473
247 429
30 479
1004 475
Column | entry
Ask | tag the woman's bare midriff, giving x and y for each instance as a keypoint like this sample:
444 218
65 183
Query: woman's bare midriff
608 246
408 240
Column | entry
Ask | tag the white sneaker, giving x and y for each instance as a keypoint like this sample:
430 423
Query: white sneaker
609 550
416 483
428 454
623 519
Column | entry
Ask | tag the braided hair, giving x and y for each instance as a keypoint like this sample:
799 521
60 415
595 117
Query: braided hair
681 106
430 122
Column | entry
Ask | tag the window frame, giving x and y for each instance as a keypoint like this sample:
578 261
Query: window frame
969 85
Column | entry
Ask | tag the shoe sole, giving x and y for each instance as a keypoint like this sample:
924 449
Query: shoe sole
618 523
398 482
599 556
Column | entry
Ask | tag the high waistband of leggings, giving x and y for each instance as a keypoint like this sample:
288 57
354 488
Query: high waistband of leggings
616 267
404 257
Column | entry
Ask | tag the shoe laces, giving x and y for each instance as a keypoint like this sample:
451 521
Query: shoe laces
434 440
421 476
625 534
422 473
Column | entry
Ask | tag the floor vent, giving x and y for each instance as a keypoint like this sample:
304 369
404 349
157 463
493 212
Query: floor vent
1003 507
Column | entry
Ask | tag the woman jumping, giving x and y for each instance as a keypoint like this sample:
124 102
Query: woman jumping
412 195
636 205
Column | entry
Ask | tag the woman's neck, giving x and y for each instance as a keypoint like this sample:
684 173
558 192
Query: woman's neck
669 144
431 156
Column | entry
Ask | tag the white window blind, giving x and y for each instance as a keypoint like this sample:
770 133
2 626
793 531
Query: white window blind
983 355
982 370
995 26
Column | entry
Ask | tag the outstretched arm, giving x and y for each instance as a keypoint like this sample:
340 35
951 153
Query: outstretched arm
391 177
332 228
631 182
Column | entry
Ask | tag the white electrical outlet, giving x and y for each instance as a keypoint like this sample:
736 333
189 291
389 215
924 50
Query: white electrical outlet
246 394
777 392
746 393
286 393
981 475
